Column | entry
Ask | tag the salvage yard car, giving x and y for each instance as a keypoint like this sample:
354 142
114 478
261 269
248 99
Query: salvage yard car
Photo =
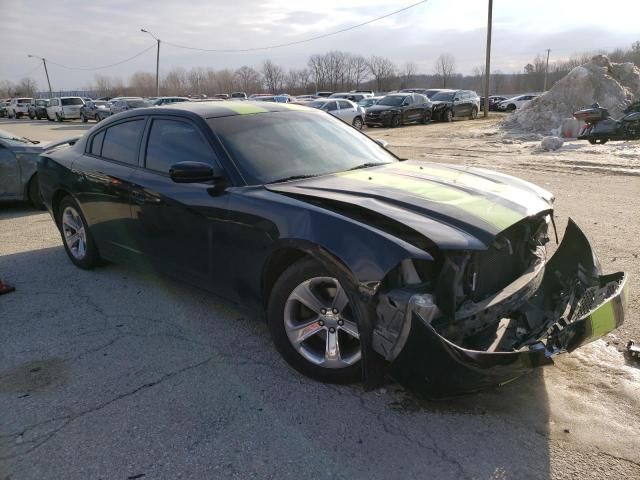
18 169
38 109
450 104
363 263
64 108
399 109
345 110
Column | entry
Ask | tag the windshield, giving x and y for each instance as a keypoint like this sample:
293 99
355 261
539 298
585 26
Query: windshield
316 104
367 102
71 101
443 96
270 146
99 103
136 103
41 103
392 100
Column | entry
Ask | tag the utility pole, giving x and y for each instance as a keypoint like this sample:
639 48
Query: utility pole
157 61
44 62
487 66
546 70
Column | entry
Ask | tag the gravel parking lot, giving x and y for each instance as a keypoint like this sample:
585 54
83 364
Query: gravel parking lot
111 374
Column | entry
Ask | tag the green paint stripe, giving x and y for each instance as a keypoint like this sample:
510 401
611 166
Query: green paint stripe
242 108
293 106
499 216
603 320
508 192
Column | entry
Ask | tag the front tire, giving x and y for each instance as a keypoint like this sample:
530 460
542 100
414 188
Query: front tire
474 113
448 116
395 121
511 107
76 237
58 117
83 118
312 325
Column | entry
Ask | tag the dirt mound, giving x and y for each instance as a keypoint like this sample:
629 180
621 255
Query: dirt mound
612 85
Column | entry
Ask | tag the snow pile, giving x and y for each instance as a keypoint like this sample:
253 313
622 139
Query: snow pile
612 85
551 143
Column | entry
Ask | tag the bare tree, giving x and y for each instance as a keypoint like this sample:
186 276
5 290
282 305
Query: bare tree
142 84
383 71
445 65
26 87
175 82
6 89
273 76
248 79
358 69
407 75
108 86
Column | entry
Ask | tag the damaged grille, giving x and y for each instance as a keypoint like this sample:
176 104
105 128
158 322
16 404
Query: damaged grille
509 256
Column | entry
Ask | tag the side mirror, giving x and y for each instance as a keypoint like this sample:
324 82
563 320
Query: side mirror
193 172
456 99
382 143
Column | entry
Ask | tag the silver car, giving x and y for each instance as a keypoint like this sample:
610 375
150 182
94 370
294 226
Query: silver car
345 110
18 164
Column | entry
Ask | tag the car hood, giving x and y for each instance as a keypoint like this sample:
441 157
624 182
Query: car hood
455 207
381 108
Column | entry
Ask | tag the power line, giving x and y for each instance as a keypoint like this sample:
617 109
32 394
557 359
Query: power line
298 42
31 71
104 66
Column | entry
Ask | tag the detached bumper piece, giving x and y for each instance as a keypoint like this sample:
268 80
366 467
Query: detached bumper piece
573 305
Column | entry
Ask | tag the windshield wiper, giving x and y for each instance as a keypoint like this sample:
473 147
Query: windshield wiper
292 177
367 165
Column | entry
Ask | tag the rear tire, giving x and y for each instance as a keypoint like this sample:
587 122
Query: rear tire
426 118
31 116
396 122
287 316
83 118
511 107
71 222
357 123
58 117
474 113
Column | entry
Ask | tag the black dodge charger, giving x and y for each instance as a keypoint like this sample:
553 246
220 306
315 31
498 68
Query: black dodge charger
362 263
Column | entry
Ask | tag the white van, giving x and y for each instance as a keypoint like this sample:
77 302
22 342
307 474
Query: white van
64 108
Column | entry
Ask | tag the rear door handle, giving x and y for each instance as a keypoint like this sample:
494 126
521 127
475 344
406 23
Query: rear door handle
137 196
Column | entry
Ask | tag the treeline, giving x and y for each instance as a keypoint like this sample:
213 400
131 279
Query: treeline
334 71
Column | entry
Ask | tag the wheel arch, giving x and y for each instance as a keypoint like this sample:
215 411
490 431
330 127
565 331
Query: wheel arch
56 199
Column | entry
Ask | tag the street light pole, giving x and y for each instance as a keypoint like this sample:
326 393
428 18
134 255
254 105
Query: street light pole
157 61
487 67
46 72
546 71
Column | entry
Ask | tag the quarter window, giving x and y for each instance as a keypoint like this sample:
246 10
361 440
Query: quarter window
121 142
171 141
96 143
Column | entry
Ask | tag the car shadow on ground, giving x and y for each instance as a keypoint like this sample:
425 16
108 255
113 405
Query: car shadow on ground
143 368
17 209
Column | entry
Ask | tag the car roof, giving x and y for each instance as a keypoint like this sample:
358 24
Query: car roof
215 109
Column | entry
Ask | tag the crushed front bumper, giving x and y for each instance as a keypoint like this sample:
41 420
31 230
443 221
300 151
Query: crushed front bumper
427 362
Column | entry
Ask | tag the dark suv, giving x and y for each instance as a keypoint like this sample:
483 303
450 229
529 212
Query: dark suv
38 109
397 109
450 104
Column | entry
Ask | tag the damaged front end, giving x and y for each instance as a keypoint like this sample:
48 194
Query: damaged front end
486 319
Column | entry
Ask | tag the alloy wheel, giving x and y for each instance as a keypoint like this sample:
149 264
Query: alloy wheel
319 323
74 233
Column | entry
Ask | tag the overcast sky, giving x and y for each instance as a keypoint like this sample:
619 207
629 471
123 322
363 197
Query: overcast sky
81 33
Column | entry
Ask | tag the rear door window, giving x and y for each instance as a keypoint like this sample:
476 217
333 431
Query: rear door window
173 141
344 105
122 141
